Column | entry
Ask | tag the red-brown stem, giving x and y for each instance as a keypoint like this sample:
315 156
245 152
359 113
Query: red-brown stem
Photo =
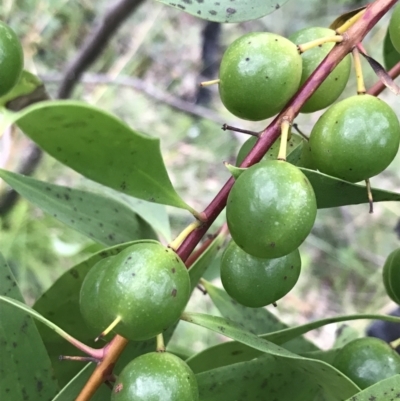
355 34
379 86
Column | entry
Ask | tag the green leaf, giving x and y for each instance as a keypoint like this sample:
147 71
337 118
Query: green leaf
226 10
385 390
73 388
100 218
234 352
101 147
154 214
266 378
25 369
200 266
333 192
390 55
331 381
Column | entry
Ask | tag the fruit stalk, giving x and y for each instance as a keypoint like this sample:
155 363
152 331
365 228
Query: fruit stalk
318 42
355 34
359 74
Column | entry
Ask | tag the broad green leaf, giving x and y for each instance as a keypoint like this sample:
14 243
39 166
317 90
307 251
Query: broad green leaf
226 10
73 388
390 55
266 378
101 147
289 338
332 383
385 390
25 367
333 192
154 214
200 266
100 218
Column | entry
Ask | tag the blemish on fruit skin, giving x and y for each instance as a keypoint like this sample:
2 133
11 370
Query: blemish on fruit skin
118 388
174 292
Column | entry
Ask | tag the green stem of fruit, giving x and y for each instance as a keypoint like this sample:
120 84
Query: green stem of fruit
285 129
109 328
160 343
359 74
209 83
370 197
318 42
181 237
350 22
396 343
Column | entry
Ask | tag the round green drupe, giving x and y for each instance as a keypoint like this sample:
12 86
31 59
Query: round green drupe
271 209
367 361
256 282
356 138
147 285
391 275
11 58
156 376
394 27
273 151
259 73
390 55
336 81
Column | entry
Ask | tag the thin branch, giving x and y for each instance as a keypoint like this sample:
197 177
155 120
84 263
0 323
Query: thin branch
379 86
374 12
147 88
95 43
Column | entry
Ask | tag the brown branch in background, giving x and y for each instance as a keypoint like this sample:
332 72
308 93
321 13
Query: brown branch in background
355 34
95 43
379 86
148 89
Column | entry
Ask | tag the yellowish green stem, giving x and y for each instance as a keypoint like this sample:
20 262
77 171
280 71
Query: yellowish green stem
350 22
318 42
160 343
209 83
285 129
109 328
396 343
370 197
359 74
181 237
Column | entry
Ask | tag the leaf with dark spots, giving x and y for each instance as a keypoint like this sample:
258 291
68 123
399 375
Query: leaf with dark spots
20 341
228 11
82 210
145 176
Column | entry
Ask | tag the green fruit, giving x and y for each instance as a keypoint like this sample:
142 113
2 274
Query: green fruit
256 282
336 81
271 209
259 73
355 139
367 361
156 377
11 58
147 285
273 151
394 28
391 275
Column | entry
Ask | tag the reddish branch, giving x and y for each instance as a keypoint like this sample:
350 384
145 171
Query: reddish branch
354 35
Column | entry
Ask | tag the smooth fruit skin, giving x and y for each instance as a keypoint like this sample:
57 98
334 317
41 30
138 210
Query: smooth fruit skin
259 73
11 58
271 209
394 27
391 275
355 139
367 361
256 282
336 81
146 284
156 377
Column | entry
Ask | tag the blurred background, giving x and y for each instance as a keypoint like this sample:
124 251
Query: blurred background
148 75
